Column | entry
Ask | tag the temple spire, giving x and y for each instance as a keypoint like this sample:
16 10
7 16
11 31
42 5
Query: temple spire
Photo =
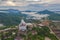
22 25
22 22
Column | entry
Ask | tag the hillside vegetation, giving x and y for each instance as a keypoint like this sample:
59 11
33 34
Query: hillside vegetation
12 17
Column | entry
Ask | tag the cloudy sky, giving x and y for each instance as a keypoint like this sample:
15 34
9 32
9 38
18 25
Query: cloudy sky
30 4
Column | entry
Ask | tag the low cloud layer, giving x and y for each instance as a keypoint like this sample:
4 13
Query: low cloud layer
34 15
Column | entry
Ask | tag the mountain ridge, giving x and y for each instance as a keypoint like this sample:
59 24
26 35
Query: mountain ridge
53 15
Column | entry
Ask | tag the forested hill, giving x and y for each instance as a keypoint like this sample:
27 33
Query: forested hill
10 17
52 15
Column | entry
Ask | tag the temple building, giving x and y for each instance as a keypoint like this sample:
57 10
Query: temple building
22 25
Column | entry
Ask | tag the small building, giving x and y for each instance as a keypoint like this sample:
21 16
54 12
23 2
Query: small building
46 22
29 26
46 38
41 24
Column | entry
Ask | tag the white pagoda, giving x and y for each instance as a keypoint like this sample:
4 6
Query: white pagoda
22 25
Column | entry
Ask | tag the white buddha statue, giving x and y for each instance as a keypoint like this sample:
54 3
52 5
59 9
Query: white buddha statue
22 25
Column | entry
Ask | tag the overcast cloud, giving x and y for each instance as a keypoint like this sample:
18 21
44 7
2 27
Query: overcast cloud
30 4
26 2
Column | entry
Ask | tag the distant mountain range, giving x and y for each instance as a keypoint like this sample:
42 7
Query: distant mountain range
53 15
13 17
